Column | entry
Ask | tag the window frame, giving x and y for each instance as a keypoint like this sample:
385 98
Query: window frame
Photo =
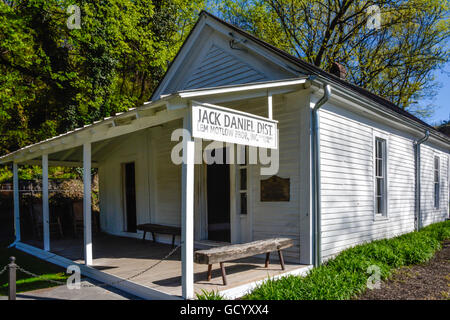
436 171
385 163
240 168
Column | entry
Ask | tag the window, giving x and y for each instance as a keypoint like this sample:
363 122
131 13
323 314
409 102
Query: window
243 171
436 182
380 177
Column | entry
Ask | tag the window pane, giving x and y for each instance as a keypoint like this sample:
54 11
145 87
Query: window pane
243 203
377 149
381 205
379 168
242 155
243 177
436 195
381 144
380 187
436 176
378 205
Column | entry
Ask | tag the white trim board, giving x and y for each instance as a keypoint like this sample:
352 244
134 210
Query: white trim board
127 286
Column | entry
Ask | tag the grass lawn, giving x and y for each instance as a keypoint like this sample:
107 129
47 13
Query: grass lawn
345 276
30 263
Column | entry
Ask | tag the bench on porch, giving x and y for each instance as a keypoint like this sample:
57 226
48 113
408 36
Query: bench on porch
244 250
158 228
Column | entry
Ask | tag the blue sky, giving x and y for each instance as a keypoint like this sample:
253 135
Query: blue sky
442 99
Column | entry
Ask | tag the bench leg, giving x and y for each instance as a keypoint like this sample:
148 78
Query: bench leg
267 260
280 255
154 238
173 241
143 238
224 275
209 272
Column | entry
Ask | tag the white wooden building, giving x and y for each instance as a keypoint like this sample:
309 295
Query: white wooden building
359 168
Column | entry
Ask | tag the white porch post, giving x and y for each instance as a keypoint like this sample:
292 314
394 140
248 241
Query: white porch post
187 212
16 201
87 204
45 207
269 105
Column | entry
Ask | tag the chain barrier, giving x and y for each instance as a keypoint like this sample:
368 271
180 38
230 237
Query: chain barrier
100 284
39 276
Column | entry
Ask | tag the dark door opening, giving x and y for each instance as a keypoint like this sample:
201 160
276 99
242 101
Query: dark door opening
218 193
130 196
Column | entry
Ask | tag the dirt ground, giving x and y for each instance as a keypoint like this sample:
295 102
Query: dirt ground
429 281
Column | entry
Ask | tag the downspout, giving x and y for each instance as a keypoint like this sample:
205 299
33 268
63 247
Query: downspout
418 214
316 175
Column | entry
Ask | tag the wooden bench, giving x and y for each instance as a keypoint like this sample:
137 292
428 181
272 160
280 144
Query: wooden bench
238 251
158 228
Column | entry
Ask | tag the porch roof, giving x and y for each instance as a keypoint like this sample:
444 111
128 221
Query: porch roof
153 113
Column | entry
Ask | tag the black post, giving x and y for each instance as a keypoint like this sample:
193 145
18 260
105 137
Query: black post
12 267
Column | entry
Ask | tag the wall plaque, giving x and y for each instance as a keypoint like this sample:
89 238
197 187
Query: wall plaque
275 189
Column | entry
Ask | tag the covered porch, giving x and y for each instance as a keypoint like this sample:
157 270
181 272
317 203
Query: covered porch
169 193
129 259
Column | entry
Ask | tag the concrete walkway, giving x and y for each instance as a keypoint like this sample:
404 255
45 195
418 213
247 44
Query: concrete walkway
63 293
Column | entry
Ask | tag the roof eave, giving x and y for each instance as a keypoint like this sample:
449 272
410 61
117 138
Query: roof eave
369 104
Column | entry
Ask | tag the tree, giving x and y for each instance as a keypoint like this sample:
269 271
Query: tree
444 127
392 54
53 79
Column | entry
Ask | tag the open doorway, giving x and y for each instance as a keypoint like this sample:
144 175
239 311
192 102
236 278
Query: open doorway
129 196
218 195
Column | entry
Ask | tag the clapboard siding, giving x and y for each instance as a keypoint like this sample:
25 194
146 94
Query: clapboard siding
219 68
153 150
128 149
347 182
430 214
274 219
168 178
152 160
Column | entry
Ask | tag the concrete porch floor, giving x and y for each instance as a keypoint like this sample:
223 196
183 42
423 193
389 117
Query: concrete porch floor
126 257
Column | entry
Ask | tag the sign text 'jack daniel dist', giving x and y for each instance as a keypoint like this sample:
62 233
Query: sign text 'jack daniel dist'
222 124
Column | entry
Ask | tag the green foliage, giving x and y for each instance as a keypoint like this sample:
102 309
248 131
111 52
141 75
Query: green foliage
35 173
395 61
53 79
209 295
345 276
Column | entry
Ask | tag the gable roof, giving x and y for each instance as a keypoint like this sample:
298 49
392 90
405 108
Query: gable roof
311 70
220 68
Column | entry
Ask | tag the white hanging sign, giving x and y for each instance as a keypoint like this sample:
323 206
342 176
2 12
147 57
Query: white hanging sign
212 122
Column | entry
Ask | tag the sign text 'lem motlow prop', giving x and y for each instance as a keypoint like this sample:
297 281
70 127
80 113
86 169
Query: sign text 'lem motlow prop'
222 124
